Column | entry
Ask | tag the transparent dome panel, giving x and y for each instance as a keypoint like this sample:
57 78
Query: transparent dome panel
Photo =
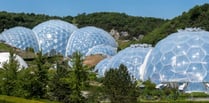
132 57
184 60
106 50
20 37
82 40
102 67
53 36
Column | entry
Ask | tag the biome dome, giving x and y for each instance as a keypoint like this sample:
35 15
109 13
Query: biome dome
20 37
5 59
132 57
181 58
105 50
83 39
53 35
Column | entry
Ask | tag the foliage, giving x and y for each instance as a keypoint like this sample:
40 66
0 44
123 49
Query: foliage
195 17
8 20
79 78
135 26
60 89
9 74
5 47
119 86
35 78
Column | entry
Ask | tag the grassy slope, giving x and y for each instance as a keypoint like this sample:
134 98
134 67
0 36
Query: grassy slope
11 99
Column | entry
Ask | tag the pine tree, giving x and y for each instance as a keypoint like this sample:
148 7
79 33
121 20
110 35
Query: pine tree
119 87
60 88
9 75
38 87
79 77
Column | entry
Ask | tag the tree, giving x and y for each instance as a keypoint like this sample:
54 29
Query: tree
60 89
9 75
79 78
119 86
38 77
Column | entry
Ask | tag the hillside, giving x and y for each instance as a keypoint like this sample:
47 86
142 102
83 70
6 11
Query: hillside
153 29
121 22
195 17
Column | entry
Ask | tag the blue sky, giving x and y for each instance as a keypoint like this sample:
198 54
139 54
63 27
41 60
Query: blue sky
166 9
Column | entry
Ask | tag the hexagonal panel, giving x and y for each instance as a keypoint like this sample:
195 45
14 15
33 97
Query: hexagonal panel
206 78
155 58
205 63
166 74
155 77
180 77
196 72
205 38
168 58
195 41
206 47
181 49
168 47
181 64
196 54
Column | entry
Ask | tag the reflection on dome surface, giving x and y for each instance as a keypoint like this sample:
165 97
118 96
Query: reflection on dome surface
181 57
20 37
84 39
53 35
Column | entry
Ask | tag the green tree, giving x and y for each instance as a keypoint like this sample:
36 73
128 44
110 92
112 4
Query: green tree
9 76
38 77
119 86
60 89
79 78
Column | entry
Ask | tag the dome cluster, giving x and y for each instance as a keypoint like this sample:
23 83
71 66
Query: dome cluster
180 60
60 37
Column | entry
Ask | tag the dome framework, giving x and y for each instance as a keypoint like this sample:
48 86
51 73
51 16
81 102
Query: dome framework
181 58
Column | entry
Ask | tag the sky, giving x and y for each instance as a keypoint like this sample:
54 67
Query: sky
166 9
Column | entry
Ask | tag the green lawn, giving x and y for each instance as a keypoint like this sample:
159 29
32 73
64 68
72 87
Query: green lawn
11 99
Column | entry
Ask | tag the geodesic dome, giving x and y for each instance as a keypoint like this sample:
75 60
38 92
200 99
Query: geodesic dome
102 67
182 57
85 38
106 50
53 35
20 37
132 57
5 59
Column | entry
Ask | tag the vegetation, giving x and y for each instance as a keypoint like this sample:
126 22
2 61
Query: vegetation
119 86
195 17
51 78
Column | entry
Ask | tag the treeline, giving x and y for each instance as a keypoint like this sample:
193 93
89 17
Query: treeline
9 20
135 26
195 17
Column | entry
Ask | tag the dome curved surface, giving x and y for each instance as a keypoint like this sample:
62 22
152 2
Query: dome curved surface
132 57
180 57
106 50
5 58
53 35
102 67
20 37
87 37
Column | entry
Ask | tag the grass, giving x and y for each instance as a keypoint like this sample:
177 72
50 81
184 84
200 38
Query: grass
4 47
11 99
